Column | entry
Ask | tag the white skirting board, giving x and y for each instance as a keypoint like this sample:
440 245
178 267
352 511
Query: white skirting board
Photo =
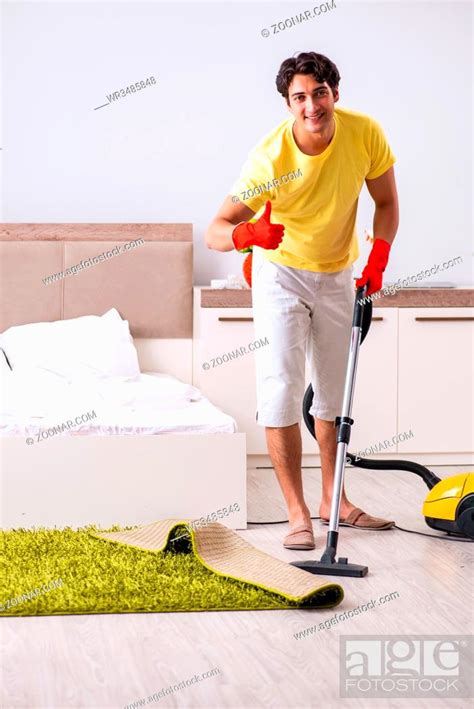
127 480
426 459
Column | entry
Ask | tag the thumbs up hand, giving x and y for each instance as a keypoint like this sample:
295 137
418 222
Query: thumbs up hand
263 233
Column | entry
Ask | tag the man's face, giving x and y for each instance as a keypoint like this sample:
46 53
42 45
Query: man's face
312 103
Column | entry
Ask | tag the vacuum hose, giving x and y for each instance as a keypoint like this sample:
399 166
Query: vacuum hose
427 475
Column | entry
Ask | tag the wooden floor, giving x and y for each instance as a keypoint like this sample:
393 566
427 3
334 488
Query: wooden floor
94 662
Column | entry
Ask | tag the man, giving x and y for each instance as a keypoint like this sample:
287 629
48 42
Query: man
304 245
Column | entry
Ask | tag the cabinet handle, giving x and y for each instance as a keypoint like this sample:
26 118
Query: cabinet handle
229 319
441 319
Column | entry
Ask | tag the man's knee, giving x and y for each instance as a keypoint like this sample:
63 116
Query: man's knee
325 430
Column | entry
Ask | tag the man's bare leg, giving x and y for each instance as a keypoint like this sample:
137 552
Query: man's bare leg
284 449
326 435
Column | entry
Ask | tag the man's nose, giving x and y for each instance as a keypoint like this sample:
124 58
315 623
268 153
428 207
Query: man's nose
312 105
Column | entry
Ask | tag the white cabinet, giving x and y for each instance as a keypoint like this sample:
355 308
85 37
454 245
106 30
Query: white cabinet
415 373
436 397
228 383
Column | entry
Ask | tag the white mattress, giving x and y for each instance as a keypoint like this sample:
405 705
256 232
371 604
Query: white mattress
148 405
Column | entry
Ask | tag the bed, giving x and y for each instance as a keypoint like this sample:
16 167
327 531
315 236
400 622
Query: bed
104 425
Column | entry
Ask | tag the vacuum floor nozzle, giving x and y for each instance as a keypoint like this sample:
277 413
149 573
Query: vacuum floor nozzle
341 567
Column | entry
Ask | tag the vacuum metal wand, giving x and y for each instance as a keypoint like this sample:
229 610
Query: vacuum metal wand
328 564
344 428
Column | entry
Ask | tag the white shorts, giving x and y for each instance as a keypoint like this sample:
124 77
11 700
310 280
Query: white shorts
303 314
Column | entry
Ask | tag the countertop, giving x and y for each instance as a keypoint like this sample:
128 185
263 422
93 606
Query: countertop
460 297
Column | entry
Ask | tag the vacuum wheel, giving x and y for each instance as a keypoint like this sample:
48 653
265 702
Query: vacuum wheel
465 516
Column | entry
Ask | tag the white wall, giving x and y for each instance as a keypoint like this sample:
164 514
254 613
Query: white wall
171 152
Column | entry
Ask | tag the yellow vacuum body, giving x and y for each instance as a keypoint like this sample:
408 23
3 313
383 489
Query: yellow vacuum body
449 505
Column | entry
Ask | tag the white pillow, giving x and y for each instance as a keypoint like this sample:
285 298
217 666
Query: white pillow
89 346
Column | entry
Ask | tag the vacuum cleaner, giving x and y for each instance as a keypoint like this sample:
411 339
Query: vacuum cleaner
448 507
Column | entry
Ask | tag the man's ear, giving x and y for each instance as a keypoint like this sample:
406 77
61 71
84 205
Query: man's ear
336 95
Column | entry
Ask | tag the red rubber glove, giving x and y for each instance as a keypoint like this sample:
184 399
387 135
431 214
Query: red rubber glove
376 263
261 233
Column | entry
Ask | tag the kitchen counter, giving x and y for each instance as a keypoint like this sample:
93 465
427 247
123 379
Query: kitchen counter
461 297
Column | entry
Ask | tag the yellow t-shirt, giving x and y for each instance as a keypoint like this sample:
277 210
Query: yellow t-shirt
315 196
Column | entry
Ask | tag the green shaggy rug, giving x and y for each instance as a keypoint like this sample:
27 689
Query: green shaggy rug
167 566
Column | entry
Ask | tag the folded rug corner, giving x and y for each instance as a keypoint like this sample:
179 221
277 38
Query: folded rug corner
226 553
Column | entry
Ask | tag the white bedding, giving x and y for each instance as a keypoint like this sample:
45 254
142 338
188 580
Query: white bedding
33 401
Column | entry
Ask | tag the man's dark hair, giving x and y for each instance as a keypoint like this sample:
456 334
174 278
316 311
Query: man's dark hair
317 65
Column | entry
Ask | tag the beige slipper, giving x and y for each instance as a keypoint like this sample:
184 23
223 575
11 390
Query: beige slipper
361 520
301 537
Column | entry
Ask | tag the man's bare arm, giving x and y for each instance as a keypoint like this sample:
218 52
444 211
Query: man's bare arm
383 191
218 235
